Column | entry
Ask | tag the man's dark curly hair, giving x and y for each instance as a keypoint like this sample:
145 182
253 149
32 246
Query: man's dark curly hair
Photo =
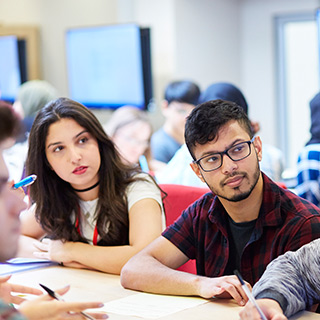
205 121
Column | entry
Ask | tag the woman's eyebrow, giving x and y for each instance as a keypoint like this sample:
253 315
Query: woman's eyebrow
59 142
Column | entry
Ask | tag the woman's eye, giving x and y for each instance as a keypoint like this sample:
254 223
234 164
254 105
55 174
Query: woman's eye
83 140
57 149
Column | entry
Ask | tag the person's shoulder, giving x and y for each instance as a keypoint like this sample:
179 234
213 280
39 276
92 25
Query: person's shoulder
298 206
159 134
310 152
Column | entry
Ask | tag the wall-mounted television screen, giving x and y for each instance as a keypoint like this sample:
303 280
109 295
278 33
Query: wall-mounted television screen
10 71
109 66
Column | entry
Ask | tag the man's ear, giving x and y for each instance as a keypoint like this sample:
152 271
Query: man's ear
197 171
164 107
258 147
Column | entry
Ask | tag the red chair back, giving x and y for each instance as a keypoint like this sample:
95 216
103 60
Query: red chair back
178 198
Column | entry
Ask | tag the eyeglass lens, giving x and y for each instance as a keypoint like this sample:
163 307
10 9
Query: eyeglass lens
235 153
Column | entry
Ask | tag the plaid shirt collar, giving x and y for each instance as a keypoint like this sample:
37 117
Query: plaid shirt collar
269 214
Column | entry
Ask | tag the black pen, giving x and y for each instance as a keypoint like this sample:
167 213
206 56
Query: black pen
249 295
56 296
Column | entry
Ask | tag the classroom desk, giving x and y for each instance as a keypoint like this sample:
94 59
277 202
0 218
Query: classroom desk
97 286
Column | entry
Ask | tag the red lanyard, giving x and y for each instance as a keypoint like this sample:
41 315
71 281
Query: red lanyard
95 232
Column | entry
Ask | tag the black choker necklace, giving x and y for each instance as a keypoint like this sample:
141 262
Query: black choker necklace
87 189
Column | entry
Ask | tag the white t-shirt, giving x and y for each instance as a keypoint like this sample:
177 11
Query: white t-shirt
136 191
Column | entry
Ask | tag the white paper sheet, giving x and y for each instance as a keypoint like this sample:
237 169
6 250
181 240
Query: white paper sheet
151 306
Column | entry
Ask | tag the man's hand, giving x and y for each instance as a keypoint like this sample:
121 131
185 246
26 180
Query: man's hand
224 288
269 307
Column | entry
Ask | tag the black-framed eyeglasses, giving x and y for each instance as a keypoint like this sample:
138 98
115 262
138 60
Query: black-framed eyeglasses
214 161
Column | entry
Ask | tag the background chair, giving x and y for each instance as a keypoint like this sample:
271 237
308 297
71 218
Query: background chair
178 198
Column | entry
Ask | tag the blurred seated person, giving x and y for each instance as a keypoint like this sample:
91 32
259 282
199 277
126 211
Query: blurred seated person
180 99
130 129
31 97
178 170
308 166
290 284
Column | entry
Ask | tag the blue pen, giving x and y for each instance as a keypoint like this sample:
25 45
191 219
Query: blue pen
25 182
249 294
143 163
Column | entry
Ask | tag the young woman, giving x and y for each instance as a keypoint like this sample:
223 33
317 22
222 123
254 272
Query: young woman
130 129
84 194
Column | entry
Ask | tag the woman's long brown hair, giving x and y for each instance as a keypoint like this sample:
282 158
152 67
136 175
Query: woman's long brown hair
56 200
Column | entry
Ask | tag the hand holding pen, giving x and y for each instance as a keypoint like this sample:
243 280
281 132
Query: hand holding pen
249 295
56 296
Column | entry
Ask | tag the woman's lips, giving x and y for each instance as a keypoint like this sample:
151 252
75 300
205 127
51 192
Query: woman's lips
80 170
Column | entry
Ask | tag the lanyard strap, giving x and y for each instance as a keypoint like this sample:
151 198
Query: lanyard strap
95 232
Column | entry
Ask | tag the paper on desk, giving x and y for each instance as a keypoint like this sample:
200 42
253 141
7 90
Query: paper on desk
151 306
23 264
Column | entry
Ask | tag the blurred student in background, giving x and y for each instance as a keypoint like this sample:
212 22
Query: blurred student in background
92 208
43 307
180 99
308 179
31 97
130 129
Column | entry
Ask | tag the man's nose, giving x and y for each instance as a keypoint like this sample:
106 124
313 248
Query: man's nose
228 165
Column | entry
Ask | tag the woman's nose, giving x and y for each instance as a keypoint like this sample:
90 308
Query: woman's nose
74 154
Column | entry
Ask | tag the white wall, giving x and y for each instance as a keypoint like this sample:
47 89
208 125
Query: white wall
258 68
204 40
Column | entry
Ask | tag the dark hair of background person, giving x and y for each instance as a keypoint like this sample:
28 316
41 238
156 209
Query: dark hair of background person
205 121
315 119
10 125
56 200
182 91
225 91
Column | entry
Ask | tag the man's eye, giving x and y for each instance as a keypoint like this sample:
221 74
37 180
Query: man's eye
238 148
212 159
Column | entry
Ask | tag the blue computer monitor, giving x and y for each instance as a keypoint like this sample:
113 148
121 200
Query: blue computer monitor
109 66
10 74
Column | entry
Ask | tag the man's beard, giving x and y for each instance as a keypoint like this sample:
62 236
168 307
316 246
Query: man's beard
240 196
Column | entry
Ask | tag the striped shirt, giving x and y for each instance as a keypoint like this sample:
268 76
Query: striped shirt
308 179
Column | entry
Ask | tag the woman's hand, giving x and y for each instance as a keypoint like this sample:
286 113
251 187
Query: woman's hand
54 250
45 308
6 290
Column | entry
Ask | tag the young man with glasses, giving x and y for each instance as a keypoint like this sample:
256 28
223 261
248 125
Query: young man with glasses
244 223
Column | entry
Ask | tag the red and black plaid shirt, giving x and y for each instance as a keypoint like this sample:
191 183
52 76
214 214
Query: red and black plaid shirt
285 223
